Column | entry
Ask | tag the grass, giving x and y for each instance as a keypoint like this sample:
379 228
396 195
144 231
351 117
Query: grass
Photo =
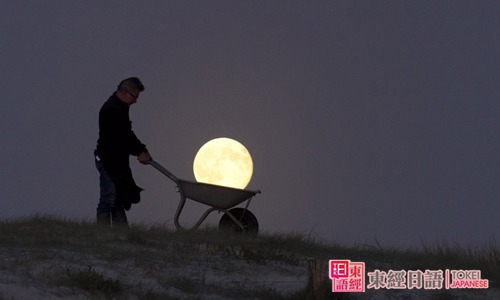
89 280
67 258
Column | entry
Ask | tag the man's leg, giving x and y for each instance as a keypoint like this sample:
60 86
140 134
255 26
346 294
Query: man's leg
107 196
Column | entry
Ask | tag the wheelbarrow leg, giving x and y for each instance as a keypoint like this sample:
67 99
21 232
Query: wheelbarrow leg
180 207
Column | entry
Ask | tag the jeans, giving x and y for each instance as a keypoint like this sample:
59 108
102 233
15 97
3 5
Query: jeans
107 190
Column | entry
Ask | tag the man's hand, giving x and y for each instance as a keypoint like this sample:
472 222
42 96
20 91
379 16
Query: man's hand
144 158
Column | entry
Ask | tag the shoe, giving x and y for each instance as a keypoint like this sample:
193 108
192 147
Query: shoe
104 219
119 218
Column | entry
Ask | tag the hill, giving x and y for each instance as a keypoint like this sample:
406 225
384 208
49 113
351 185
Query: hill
52 258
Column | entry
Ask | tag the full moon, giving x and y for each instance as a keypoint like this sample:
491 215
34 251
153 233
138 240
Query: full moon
223 161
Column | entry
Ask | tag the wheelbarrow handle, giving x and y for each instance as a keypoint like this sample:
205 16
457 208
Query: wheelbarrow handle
163 170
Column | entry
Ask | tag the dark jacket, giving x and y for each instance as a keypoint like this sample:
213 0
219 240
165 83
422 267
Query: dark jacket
116 143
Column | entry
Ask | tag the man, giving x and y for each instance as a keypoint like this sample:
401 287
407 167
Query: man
117 141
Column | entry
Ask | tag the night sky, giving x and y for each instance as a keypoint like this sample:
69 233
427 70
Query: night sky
366 120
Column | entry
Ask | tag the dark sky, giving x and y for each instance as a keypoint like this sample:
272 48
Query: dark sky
365 119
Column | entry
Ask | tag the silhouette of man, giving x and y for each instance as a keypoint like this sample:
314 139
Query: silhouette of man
117 141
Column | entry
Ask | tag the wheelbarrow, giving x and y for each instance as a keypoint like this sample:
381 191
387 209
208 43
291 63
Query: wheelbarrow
219 198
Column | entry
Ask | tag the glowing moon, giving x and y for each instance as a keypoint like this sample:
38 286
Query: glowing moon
225 162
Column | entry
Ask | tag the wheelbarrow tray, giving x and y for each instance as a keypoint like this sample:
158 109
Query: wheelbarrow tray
217 196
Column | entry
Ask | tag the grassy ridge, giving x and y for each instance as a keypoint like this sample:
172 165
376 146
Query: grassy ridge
66 258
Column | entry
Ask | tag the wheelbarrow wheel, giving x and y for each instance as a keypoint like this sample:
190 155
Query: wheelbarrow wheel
247 219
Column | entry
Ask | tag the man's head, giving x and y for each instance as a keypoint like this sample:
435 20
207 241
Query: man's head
129 89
